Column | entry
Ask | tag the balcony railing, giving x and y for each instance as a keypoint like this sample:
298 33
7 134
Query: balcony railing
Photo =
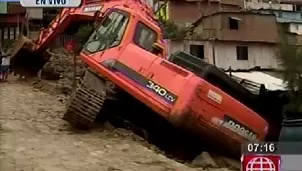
263 5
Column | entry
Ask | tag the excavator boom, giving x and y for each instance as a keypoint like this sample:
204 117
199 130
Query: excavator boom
68 20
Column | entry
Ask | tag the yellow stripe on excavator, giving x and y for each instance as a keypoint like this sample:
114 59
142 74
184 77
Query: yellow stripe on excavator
163 12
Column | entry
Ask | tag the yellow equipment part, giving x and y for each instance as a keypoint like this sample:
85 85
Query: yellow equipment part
163 12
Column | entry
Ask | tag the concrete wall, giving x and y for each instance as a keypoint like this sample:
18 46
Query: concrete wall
263 55
295 28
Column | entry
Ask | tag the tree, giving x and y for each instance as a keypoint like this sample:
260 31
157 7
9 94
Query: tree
290 59
173 31
83 34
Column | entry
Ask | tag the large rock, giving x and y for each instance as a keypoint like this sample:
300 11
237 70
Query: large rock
204 160
49 73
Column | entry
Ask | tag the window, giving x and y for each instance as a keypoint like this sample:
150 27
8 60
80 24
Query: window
109 34
242 52
11 33
234 23
144 37
17 32
5 33
197 50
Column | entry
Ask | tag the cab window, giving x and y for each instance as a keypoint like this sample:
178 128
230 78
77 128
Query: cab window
109 34
144 37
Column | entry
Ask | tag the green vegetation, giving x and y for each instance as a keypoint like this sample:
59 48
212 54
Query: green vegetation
290 58
173 31
83 34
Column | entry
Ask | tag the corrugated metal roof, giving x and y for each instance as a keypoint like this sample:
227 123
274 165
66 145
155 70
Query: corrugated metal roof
270 82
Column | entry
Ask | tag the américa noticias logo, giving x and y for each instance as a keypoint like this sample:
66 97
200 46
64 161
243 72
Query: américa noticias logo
261 163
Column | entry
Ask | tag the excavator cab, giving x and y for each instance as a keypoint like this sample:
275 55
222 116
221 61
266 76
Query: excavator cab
122 33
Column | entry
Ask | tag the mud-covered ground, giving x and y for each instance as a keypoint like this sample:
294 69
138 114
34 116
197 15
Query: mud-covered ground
33 137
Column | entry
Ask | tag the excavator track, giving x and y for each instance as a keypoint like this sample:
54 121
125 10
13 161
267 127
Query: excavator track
86 102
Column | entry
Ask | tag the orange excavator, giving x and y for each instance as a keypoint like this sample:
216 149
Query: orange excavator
125 53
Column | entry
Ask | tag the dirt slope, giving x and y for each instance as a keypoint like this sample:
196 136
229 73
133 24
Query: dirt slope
34 138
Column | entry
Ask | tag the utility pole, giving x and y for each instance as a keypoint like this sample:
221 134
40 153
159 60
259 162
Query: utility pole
27 22
18 25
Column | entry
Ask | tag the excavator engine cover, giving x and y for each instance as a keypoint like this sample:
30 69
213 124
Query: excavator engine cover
216 77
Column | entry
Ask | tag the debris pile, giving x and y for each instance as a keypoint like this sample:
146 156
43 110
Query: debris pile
60 68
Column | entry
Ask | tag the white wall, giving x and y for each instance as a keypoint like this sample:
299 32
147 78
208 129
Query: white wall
258 55
175 46
263 55
263 5
35 13
295 28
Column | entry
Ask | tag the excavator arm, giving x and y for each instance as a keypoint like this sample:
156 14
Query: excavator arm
68 17
88 12
29 56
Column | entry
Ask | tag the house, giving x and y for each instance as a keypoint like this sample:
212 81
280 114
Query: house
240 40
15 19
194 9
187 11
11 19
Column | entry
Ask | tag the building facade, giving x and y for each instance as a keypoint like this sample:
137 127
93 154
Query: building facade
186 12
240 40
291 20
11 20
15 19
